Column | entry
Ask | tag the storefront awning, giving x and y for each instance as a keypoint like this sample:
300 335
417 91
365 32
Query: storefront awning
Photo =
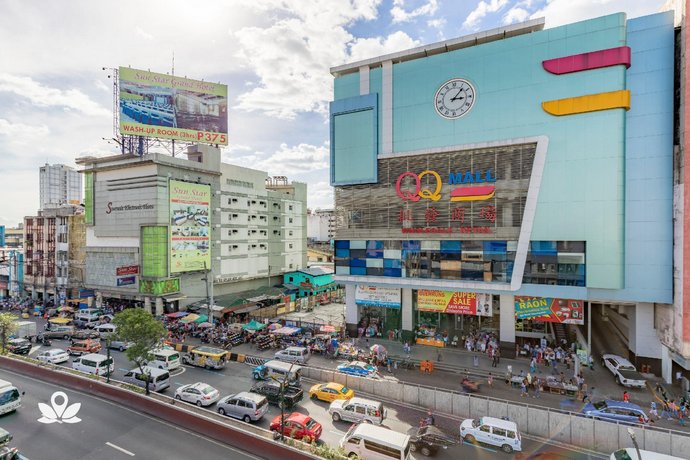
244 308
174 297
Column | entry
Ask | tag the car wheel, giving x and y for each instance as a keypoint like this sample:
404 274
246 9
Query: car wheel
506 448
276 435
221 411
198 402
178 397
469 438
336 417
65 337
352 455
314 397
306 439
122 348
413 447
247 419
618 380
426 451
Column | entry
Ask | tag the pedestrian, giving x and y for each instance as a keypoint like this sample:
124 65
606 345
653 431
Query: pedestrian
537 388
523 389
588 395
533 365
590 360
626 397
490 380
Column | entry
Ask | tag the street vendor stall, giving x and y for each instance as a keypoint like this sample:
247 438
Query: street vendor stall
190 318
287 331
254 325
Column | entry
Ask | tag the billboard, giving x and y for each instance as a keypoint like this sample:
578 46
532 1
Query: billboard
168 107
459 303
190 226
550 310
373 296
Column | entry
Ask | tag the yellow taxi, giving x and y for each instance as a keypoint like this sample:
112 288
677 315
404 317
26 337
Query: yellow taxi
330 392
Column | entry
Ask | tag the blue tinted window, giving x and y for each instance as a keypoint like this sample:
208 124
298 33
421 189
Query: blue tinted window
342 244
451 247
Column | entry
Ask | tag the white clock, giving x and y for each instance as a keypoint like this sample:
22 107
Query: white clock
454 98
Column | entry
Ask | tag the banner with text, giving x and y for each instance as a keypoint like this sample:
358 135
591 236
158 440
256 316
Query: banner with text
459 303
190 206
550 310
169 107
377 296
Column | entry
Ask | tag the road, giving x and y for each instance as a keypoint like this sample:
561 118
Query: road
402 418
106 431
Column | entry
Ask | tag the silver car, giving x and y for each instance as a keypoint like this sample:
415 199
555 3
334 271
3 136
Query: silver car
201 394
120 345
247 406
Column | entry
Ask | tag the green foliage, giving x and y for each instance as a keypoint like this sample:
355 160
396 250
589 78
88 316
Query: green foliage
7 326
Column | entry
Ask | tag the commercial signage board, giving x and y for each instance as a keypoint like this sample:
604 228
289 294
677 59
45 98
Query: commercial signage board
550 310
190 226
168 107
129 270
374 296
126 280
159 287
459 303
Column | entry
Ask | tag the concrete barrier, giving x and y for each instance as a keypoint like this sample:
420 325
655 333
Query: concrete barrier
366 385
427 397
559 426
444 401
518 414
656 441
537 422
411 394
605 436
582 431
479 407
497 409
680 445
461 405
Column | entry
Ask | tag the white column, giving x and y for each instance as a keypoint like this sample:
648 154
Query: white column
147 303
350 305
642 337
364 80
666 365
507 322
387 108
159 306
406 312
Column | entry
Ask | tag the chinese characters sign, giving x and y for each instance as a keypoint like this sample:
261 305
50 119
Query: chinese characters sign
549 310
460 303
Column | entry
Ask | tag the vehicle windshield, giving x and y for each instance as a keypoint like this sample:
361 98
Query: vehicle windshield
600 405
624 367
174 357
344 390
622 455
311 423
9 396
207 390
476 423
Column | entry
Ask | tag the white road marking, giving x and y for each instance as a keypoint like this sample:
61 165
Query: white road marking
35 349
119 448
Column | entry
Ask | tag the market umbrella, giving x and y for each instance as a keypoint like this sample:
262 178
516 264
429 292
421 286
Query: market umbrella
378 349
274 326
189 318
66 309
205 325
253 325
327 328
177 314
201 319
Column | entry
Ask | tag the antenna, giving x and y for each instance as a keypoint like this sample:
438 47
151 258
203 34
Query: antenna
173 64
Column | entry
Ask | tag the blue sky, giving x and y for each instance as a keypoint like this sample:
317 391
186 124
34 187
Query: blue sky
274 55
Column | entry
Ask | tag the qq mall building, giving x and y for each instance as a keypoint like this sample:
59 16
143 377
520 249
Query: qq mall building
517 181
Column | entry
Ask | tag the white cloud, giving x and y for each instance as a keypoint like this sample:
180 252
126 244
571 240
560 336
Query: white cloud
44 96
301 158
401 15
436 23
21 132
483 8
514 15
364 48
320 195
560 12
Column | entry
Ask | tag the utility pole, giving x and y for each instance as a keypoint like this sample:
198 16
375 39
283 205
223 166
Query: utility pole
209 293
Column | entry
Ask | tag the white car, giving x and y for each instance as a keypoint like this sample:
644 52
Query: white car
624 371
197 393
54 356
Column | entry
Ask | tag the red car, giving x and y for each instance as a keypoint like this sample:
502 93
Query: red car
298 426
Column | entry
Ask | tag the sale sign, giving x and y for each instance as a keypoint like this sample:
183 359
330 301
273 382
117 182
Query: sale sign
458 303
550 310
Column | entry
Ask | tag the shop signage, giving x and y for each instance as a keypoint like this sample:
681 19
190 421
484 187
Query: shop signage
469 190
458 303
85 293
159 287
109 208
377 296
129 270
550 310
126 280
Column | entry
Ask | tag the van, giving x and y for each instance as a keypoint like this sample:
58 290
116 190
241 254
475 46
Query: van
10 397
293 355
629 454
493 431
370 442
165 358
357 410
105 330
249 407
159 379
57 332
278 370
93 363
88 314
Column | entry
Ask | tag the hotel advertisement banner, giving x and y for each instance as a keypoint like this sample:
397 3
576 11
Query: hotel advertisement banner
190 224
168 107
550 310
458 303
373 296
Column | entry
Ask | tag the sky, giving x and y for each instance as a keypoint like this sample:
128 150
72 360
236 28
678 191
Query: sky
56 99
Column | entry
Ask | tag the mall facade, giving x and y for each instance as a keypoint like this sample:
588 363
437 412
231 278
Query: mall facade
519 180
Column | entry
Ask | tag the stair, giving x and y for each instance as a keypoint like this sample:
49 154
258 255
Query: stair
559 332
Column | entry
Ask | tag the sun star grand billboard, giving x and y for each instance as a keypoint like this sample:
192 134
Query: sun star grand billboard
168 107
190 224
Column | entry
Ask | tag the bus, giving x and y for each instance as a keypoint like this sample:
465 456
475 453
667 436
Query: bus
208 357
629 453
10 398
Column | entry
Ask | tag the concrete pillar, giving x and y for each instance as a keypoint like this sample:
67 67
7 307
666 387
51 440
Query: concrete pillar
159 307
507 325
147 303
666 365
407 311
351 315
643 340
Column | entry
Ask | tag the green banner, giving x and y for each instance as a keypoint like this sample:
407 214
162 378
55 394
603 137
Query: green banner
161 287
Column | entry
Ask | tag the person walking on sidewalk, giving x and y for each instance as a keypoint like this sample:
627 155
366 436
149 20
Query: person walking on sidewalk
533 365
626 396
523 388
490 380
588 394
537 388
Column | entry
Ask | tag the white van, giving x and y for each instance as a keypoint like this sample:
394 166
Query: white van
94 363
357 410
105 330
370 442
493 431
159 378
10 397
278 370
88 314
293 355
630 454
165 358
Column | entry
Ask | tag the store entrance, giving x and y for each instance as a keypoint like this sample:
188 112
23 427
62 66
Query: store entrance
378 321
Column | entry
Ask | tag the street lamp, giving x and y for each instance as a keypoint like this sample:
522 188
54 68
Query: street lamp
283 386
637 448
108 341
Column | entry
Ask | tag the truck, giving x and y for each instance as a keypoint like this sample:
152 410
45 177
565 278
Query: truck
623 371
25 329
272 392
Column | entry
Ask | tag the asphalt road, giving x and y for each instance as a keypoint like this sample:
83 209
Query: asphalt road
237 377
106 431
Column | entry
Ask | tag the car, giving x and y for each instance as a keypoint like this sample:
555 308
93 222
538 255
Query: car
247 406
120 345
84 334
19 346
624 371
57 332
199 393
53 356
330 392
617 411
84 346
297 426
358 368
290 397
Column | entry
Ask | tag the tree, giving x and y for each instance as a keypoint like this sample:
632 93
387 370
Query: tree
139 327
8 324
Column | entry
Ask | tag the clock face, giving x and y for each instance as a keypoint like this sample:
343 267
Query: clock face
454 98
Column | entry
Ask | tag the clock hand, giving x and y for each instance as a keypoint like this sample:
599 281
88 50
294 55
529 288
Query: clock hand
457 96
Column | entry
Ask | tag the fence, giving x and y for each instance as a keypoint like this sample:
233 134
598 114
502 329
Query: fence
544 422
